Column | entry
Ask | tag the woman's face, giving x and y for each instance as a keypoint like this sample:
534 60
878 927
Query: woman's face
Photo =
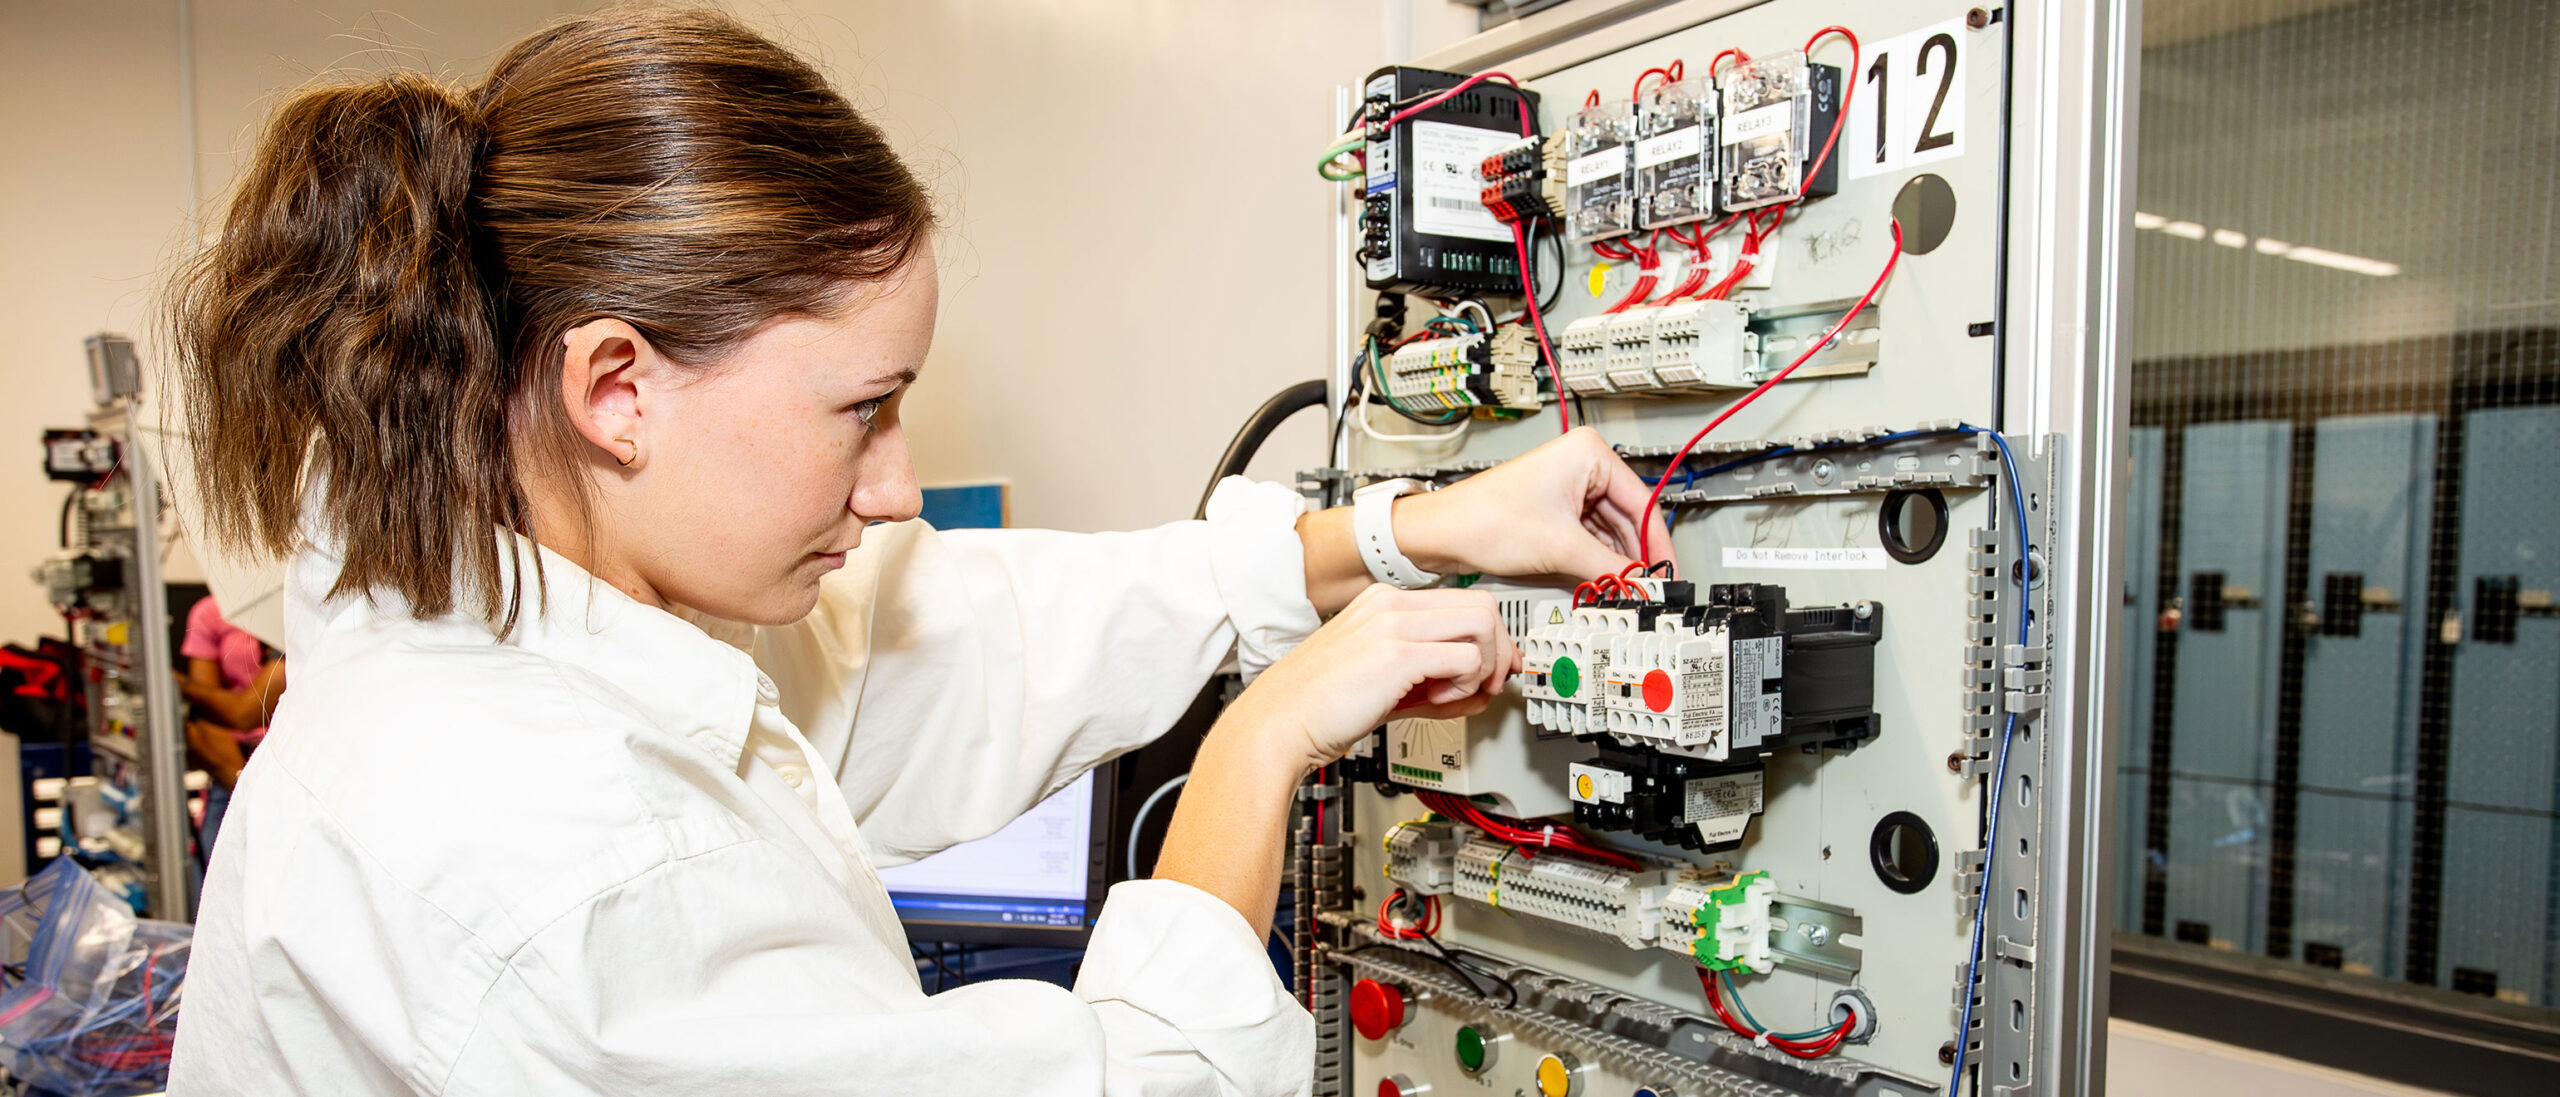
756 477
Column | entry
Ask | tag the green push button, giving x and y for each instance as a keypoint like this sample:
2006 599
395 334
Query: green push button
1475 1049
1567 678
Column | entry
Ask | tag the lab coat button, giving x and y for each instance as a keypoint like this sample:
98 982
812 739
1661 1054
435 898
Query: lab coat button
790 774
766 693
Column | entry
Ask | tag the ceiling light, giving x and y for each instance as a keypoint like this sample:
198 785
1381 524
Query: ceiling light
2335 260
2231 238
2268 245
2184 230
2148 221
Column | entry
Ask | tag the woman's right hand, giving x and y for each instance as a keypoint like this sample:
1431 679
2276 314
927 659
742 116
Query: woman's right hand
1319 700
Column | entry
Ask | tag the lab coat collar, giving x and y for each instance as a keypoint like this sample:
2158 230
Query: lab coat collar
692 685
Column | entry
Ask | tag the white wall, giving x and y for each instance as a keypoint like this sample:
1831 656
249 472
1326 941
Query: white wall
96 195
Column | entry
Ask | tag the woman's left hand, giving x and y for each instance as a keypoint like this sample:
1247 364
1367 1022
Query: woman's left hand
1563 512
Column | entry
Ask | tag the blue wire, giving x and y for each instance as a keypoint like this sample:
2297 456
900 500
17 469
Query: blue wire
2000 774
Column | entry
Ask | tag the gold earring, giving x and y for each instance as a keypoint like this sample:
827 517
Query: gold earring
635 451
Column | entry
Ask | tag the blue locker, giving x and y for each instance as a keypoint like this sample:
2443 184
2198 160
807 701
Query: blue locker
2499 911
2372 492
2133 702
2237 486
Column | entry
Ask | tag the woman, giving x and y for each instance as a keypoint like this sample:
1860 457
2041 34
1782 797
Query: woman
601 719
231 687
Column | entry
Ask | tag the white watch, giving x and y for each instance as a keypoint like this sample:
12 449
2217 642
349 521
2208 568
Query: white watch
1373 527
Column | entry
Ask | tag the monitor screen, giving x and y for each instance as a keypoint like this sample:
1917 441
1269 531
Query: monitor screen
1037 881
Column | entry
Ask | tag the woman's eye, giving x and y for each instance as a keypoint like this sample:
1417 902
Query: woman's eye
869 408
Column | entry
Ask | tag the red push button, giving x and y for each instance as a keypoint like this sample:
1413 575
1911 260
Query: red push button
1397 1085
1657 691
1376 1009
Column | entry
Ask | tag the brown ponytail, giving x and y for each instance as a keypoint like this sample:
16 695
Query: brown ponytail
383 310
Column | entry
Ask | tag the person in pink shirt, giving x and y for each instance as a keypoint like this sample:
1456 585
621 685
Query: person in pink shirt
232 684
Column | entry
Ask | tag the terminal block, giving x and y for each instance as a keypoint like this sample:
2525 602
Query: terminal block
1675 154
1703 344
1716 919
1723 925
1778 112
1599 174
1478 369
1585 348
1524 180
1690 345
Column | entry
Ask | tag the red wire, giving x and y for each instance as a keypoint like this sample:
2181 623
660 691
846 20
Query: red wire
1528 842
1644 528
1718 59
1463 85
1801 1049
1591 100
1669 75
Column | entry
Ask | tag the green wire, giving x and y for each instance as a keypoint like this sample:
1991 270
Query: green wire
1324 164
1735 997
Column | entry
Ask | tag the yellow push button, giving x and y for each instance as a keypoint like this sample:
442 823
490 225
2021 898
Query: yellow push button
1559 1075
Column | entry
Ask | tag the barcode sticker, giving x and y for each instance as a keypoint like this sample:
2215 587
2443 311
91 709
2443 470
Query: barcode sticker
1440 202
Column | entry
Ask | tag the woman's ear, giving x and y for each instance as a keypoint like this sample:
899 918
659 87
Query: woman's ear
609 380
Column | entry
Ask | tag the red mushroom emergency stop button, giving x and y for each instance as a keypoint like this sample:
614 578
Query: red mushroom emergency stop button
1376 1009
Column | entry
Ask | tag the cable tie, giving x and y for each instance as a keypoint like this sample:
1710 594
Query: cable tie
1760 1040
1547 837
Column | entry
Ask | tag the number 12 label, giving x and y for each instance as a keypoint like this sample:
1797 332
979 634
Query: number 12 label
1909 107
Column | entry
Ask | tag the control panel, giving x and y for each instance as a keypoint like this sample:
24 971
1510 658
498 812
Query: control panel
1761 814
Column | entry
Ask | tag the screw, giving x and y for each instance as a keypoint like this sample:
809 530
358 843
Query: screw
1863 610
1819 935
1976 19
1826 853
1947 1054
1823 469
1955 762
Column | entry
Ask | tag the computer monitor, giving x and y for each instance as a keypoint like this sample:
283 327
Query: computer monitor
1039 881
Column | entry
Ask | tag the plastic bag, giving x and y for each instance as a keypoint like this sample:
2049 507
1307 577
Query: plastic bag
89 998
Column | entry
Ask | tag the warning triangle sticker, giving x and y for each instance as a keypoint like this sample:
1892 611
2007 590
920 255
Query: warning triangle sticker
1555 616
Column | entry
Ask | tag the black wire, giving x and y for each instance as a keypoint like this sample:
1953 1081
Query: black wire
1466 972
67 502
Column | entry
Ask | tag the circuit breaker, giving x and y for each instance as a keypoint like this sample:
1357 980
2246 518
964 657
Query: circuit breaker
1771 817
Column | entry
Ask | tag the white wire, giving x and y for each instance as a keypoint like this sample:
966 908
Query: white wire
1482 311
1360 419
1138 822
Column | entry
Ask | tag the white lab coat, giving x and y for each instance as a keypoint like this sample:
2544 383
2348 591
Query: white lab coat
623 853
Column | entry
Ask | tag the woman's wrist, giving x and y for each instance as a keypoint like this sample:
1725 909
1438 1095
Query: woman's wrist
1428 533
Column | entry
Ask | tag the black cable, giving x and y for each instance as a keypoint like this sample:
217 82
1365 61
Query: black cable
1466 972
67 502
1256 429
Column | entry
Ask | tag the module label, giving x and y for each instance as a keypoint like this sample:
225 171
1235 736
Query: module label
1448 180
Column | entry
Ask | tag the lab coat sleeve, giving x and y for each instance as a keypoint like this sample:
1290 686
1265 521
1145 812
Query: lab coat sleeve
1176 999
955 678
